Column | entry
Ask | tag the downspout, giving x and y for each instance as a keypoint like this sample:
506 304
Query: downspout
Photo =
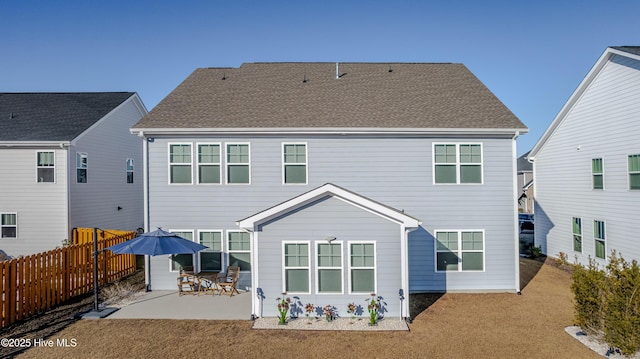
404 295
145 218
514 159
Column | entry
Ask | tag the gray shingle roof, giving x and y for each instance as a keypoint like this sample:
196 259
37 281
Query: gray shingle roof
524 164
630 49
51 116
308 95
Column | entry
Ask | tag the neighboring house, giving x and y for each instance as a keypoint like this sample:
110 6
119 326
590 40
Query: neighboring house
68 160
334 181
587 165
525 184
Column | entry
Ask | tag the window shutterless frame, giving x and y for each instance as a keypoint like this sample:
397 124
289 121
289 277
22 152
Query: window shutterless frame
129 166
599 239
576 228
177 261
597 173
459 250
211 259
633 166
209 163
362 267
45 166
296 267
329 267
8 225
294 163
457 163
82 167
239 249
238 163
180 163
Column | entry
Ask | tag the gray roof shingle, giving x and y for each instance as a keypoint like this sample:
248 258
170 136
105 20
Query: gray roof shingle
308 95
51 116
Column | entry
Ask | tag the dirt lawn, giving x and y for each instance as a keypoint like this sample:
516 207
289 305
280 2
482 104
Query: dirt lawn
497 325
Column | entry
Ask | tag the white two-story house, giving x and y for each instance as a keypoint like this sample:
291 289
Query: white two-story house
587 166
67 160
333 181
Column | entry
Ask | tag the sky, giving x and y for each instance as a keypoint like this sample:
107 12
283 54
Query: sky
531 54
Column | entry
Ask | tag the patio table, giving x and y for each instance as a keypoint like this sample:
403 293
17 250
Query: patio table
208 282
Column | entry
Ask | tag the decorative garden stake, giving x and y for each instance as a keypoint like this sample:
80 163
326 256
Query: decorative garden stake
283 308
351 309
373 307
309 308
328 312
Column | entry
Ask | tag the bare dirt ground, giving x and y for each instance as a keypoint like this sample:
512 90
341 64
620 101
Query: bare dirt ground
452 325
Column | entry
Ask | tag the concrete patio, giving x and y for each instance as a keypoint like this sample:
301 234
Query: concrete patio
164 304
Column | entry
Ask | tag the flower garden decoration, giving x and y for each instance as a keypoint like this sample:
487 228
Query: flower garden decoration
309 308
328 312
351 309
373 307
283 308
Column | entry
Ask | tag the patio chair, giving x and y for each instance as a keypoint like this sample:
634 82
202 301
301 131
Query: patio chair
227 281
188 284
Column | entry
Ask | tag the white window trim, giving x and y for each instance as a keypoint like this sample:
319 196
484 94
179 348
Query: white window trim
305 164
227 163
198 163
209 250
318 268
460 251
229 251
85 155
629 173
169 163
2 225
600 174
458 163
132 170
284 266
375 266
171 255
573 234
603 240
54 166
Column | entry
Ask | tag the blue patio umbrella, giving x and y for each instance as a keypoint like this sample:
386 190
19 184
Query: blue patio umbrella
156 243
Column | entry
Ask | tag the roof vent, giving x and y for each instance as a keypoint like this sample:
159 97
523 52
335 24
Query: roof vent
304 80
11 115
337 70
390 69
224 76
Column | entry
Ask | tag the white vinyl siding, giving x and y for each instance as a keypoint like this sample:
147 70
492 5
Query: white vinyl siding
238 163
294 163
634 171
209 163
9 225
211 258
45 166
362 267
296 267
130 169
459 251
597 173
577 234
180 162
599 239
239 245
81 167
457 163
329 268
177 261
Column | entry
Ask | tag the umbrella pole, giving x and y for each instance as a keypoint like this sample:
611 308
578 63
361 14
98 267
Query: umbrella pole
147 272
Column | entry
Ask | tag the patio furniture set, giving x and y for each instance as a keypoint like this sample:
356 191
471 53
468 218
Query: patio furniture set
208 282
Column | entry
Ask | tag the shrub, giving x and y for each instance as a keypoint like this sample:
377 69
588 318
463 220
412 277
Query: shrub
588 290
536 251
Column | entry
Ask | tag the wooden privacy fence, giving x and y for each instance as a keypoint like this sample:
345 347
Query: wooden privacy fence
35 283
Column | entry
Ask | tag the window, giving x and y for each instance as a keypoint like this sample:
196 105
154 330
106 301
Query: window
208 163
294 163
81 167
577 234
180 163
598 235
457 163
181 260
329 266
45 166
211 258
634 171
296 267
9 225
362 263
240 250
459 251
596 173
129 170
238 163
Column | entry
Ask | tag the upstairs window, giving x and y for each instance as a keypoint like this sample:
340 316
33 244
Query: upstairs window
238 163
180 163
81 167
597 174
577 234
129 170
457 163
294 163
599 237
208 163
9 225
634 171
45 166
